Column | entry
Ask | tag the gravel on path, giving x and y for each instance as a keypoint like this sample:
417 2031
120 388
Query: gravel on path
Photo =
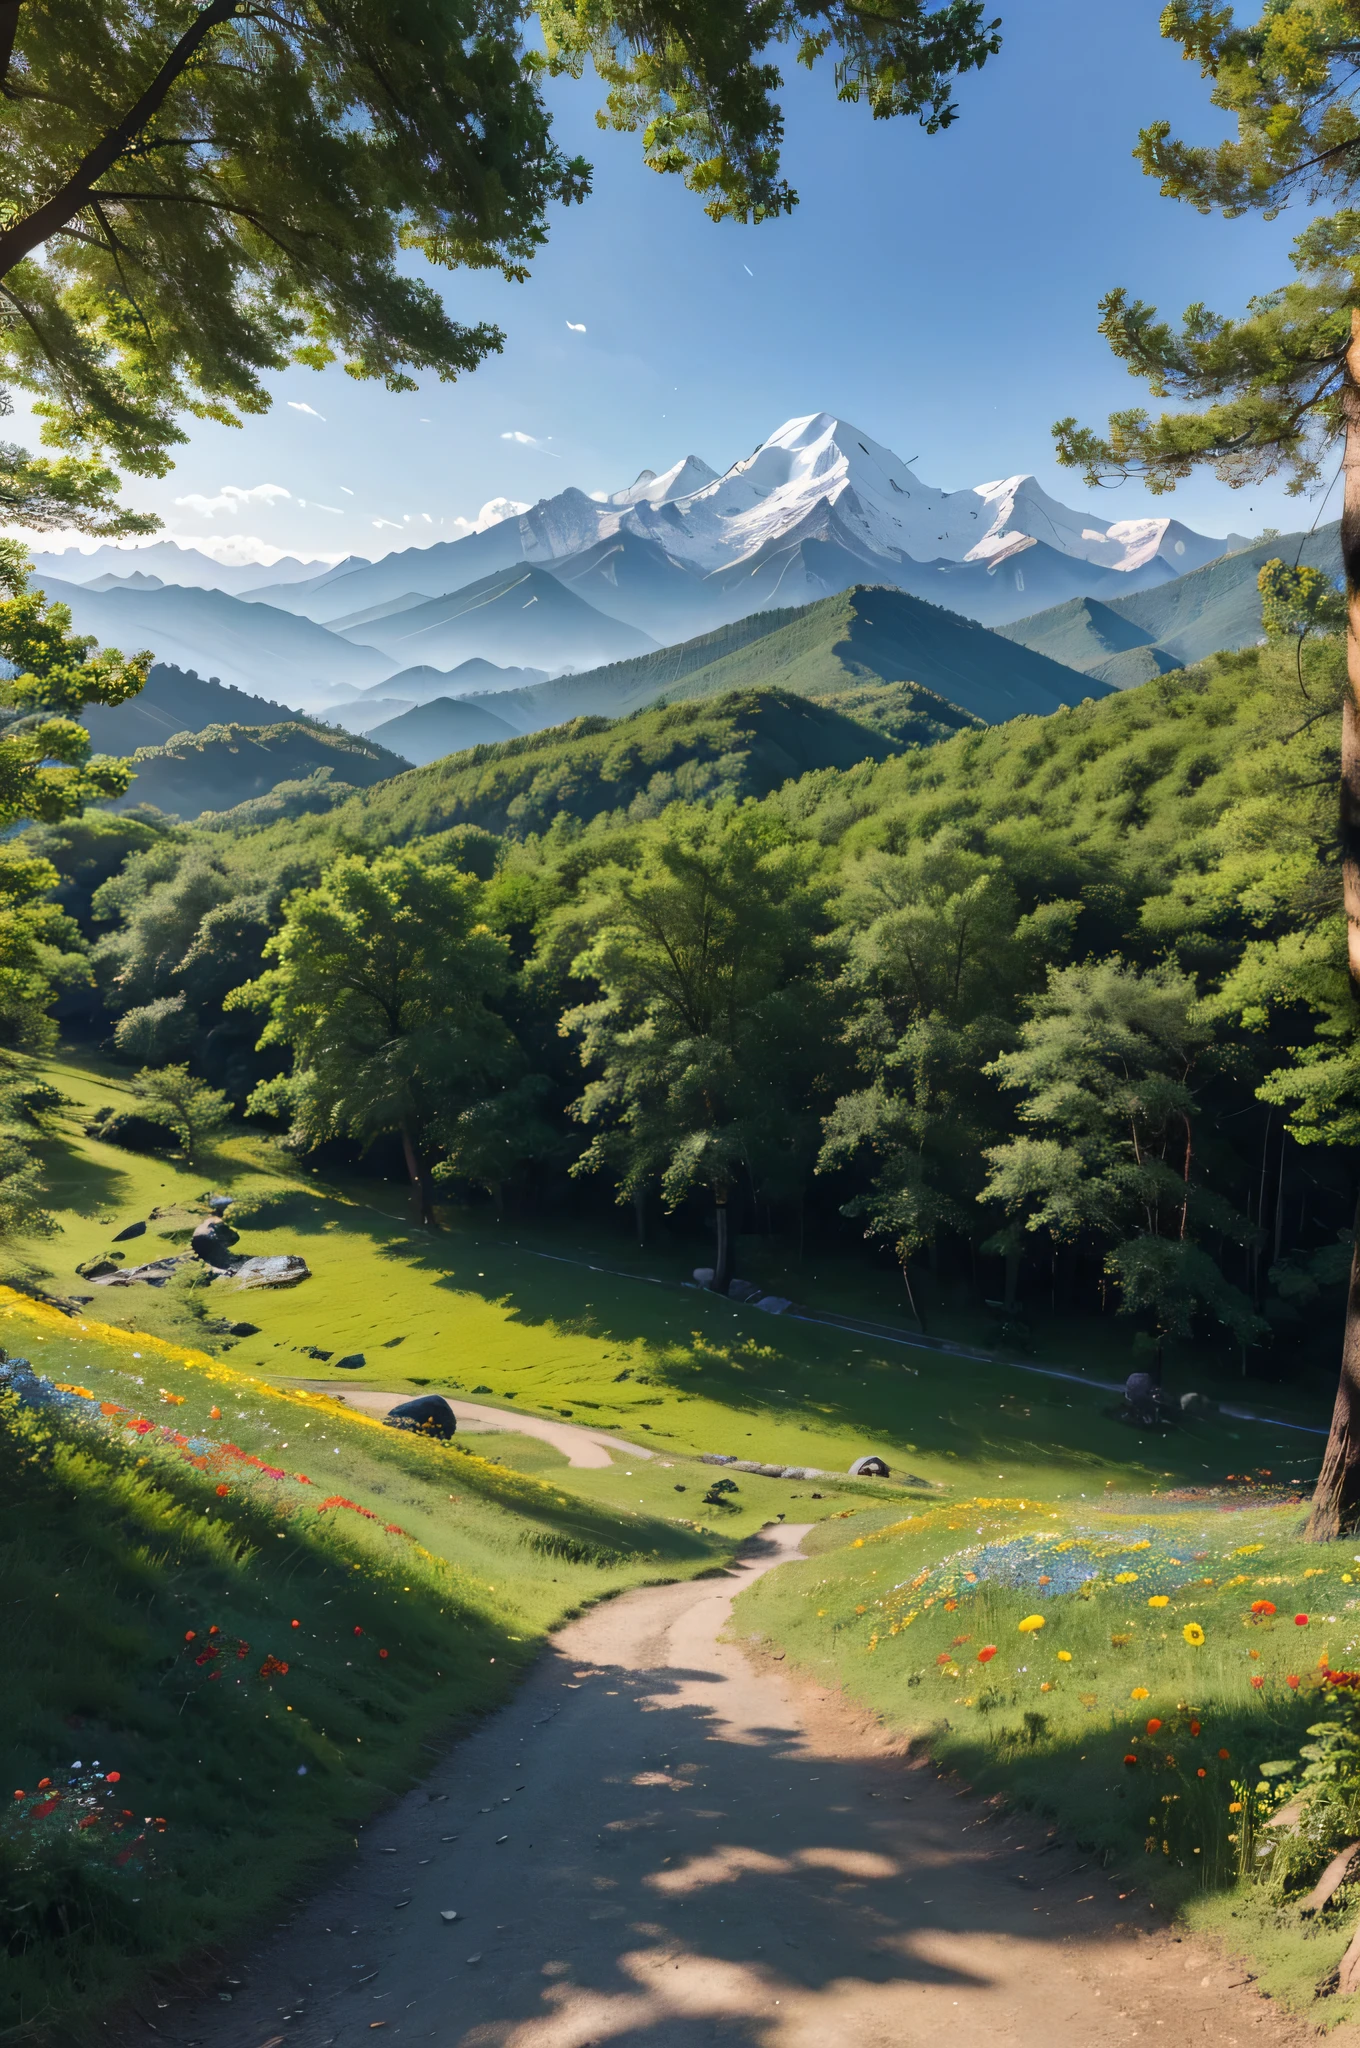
660 1844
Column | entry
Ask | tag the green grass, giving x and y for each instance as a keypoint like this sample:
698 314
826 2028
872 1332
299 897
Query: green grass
115 1548
919 1619
405 1588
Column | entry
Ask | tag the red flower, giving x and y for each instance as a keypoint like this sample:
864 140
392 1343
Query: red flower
295 1624
1257 1683
48 1805
43 1784
1194 1727
1224 1756
1300 1621
189 1634
114 1777
1201 1772
358 1631
222 1492
1153 1726
1292 1683
985 1656
383 1653
1263 1606
1130 1759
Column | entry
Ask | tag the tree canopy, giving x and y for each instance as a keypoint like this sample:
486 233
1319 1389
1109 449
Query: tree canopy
194 196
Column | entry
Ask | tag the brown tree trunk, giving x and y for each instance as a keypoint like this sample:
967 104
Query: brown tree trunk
419 1174
722 1255
1336 1502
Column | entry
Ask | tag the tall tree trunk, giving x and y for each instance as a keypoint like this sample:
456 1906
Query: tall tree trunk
419 1173
722 1257
1336 1502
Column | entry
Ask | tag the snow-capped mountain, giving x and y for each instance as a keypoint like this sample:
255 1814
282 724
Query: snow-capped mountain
822 461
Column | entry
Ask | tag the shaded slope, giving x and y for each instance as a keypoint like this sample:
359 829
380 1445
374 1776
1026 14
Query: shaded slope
174 700
523 617
429 731
227 765
745 744
863 635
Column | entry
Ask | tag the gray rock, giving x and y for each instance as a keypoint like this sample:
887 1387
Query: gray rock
284 1269
243 1329
354 1361
212 1242
430 1414
219 1204
774 1304
744 1290
133 1230
705 1457
872 1467
94 1269
702 1276
1191 1404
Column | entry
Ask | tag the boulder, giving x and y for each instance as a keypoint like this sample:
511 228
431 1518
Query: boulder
774 1304
212 1242
354 1361
154 1273
1191 1404
133 1230
243 1329
430 1414
284 1269
702 1276
872 1467
219 1204
94 1269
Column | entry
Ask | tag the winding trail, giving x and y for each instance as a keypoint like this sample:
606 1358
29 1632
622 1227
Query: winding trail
586 1448
658 1844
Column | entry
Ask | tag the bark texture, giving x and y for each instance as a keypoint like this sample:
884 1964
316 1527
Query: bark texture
1336 1501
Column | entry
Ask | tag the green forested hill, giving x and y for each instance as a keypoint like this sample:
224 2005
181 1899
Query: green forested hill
1127 639
225 765
746 743
864 635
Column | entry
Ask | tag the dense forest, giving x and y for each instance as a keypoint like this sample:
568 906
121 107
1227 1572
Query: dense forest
1050 1010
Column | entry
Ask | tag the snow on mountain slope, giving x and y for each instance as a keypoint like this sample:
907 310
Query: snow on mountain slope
821 461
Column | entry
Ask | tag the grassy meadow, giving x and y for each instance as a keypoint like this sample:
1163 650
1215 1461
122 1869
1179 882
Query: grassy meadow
194 1483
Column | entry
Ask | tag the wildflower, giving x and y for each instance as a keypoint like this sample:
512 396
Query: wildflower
358 1631
1234 1806
1045 1580
1153 1726
113 1777
1194 1634
949 1606
1300 1621
1293 1683
986 1654
1064 1656
1130 1758
1201 1772
214 1415
189 1634
1194 1727
1257 1682
1046 1687
382 1653
295 1624
1263 1607
1253 1653
222 1492
1225 1756
1157 1600
1030 1623
1126 1578
1140 1692
943 1658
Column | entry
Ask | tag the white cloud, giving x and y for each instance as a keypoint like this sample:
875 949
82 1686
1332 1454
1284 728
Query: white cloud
529 441
387 522
317 506
233 498
600 497
577 326
347 491
496 509
296 405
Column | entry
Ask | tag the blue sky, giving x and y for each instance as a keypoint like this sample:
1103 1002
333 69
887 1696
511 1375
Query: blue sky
939 292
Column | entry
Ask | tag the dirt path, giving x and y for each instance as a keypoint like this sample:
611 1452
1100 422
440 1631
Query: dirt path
657 1845
586 1448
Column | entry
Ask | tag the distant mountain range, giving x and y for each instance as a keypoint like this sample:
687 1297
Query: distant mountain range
578 581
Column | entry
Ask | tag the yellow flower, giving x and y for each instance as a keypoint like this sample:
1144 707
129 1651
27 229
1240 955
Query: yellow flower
1234 1806
1158 1600
1064 1656
1140 1692
1031 1623
1126 1578
1193 1633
